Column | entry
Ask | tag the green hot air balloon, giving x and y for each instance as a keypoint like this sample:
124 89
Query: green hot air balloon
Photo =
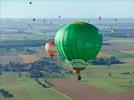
77 43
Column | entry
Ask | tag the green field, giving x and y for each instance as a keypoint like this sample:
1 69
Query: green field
121 79
119 54
118 82
24 88
27 89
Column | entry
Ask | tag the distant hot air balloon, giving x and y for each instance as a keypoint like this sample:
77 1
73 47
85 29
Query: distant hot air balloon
100 18
77 43
18 31
29 25
59 16
30 2
34 19
115 19
44 20
51 22
59 21
50 49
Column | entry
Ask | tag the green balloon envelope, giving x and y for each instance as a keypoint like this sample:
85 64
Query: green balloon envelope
78 42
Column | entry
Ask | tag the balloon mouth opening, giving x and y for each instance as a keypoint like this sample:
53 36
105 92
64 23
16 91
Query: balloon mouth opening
77 70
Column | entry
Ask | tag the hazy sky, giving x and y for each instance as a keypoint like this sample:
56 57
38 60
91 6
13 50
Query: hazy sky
67 8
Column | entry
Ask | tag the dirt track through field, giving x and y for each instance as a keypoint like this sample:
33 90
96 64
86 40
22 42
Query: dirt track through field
80 91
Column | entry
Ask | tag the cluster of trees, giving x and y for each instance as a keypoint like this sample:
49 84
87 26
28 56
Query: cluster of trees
6 93
36 69
127 73
0 73
21 43
106 61
0 69
17 50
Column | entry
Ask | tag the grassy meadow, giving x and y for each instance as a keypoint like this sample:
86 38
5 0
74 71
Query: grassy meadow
121 79
24 88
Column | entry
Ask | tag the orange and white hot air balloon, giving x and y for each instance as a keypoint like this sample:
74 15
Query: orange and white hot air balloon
50 49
